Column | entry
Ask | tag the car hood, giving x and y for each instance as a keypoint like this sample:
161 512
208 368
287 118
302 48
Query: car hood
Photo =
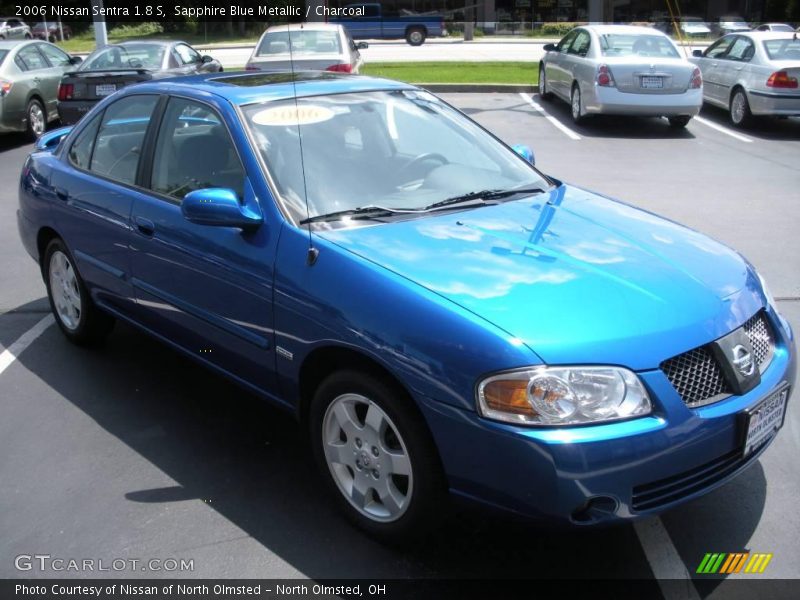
576 277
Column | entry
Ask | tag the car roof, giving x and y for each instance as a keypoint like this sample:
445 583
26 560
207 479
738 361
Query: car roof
623 29
766 35
244 88
9 44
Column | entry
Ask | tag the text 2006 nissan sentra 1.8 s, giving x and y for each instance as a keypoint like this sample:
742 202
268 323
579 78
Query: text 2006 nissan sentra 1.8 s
446 321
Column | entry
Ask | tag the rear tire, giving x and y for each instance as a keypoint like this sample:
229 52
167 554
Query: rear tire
679 122
77 316
376 456
415 36
36 119
740 109
544 94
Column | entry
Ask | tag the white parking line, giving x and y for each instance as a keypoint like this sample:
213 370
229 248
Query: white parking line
665 562
558 124
11 353
725 130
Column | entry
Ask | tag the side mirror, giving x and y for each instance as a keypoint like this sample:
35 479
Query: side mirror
219 207
549 47
525 152
362 45
205 59
697 53
51 139
75 60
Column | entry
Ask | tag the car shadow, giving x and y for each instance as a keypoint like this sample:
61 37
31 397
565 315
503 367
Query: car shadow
613 126
764 128
251 463
12 141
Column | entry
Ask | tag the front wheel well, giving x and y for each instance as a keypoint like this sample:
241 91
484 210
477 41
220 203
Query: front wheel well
322 362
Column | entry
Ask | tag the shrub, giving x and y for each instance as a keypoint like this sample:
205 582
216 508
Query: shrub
557 29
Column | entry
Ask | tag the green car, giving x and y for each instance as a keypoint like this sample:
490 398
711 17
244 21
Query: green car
30 72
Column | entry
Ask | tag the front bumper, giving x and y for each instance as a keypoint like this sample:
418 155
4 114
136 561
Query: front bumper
611 101
774 103
605 473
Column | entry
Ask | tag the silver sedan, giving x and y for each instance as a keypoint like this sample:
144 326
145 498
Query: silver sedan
623 70
752 73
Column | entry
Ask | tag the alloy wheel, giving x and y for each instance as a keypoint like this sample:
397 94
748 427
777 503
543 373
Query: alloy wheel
367 457
36 119
738 108
65 291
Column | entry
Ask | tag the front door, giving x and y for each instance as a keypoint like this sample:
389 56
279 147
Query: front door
207 289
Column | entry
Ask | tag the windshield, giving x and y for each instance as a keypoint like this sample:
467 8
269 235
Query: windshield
303 42
788 49
614 44
130 56
394 149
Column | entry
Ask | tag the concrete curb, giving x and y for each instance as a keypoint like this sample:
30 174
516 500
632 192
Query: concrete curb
479 88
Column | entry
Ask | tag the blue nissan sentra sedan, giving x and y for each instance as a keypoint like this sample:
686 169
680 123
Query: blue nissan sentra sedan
444 319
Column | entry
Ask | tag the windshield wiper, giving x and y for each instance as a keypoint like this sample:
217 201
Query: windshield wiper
362 212
483 196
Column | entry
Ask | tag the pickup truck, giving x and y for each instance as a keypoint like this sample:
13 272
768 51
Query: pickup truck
369 21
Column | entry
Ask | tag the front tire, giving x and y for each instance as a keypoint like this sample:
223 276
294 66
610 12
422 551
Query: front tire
576 105
544 94
415 36
77 316
679 122
740 109
377 457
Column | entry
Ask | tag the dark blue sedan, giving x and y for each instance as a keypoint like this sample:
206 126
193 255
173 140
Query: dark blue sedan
446 321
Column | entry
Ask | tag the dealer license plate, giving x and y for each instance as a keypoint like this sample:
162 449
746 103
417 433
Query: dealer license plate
106 89
652 83
765 419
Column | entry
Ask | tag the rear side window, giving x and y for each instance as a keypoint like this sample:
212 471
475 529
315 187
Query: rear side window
119 141
194 151
80 153
32 59
56 57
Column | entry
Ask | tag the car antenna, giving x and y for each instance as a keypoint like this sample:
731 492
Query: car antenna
313 252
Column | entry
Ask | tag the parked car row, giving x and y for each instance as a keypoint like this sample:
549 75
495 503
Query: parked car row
693 27
620 69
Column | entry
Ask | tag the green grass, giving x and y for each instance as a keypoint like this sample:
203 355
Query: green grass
456 72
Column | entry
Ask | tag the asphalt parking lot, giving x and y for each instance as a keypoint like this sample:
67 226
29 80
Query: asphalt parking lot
135 452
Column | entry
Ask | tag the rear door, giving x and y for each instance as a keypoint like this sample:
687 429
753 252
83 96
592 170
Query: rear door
208 289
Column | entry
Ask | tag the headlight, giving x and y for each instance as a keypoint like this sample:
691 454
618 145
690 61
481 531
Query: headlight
563 396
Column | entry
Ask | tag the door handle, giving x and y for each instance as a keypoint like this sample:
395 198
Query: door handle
145 226
61 193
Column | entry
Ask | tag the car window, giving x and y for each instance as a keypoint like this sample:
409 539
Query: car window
658 46
136 56
119 141
80 153
55 57
581 44
32 59
787 49
308 41
565 43
194 151
742 50
187 55
719 48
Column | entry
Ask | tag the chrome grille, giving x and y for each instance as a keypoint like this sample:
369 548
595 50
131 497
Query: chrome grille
696 377
760 334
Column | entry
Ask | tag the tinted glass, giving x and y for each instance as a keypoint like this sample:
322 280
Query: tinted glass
400 149
32 59
194 151
788 49
56 57
658 46
119 141
129 56
80 153
303 42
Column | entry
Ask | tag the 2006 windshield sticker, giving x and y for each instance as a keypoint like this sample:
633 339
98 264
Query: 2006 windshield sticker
293 115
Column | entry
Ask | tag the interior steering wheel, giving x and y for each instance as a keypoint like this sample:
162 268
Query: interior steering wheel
420 159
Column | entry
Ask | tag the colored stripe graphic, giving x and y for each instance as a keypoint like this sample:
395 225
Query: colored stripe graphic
758 563
724 563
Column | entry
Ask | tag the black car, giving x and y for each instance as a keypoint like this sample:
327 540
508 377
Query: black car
53 33
118 65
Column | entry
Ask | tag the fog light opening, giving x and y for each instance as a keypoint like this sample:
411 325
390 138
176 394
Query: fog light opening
596 509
